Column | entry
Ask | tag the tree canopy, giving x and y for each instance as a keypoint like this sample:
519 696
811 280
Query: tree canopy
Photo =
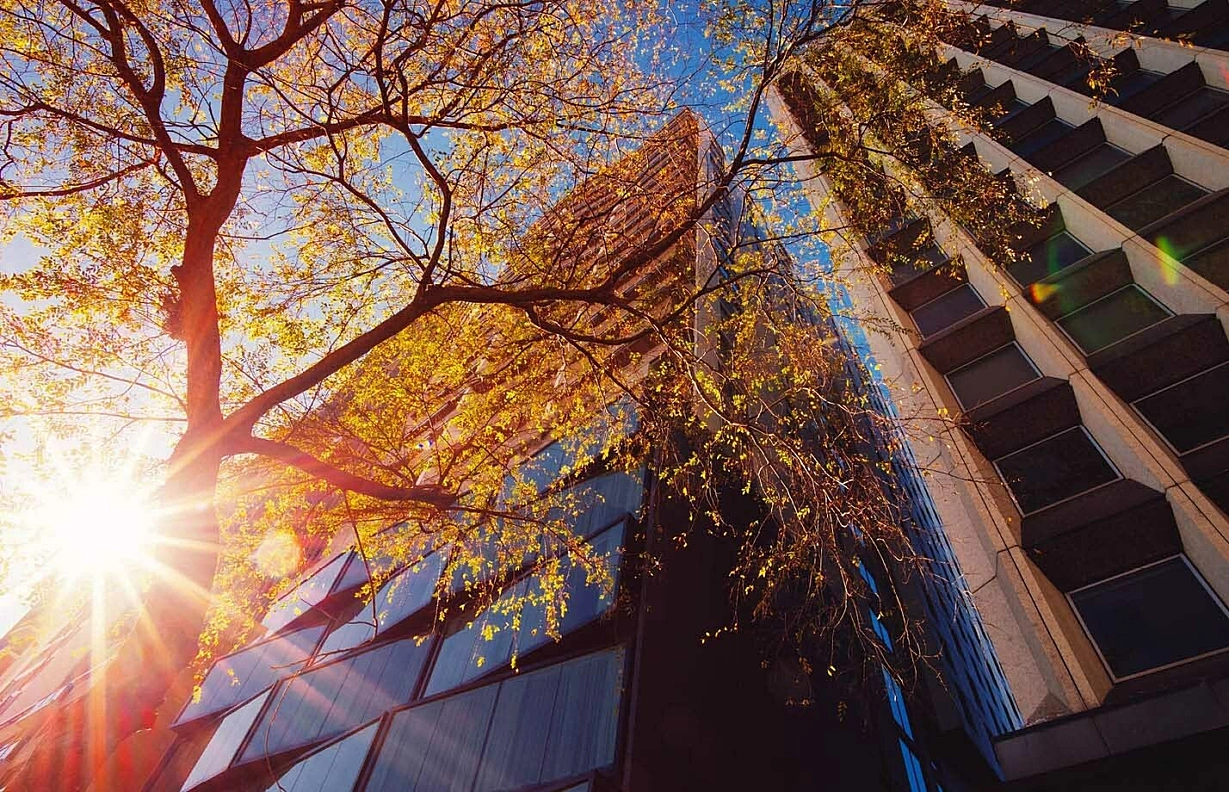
326 246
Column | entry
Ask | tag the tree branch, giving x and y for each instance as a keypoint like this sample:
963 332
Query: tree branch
431 495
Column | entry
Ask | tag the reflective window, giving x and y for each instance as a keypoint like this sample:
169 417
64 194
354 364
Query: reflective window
331 769
947 309
534 728
1046 258
1152 617
332 699
1039 138
913 769
1057 468
1195 106
237 677
587 507
1112 318
896 702
1096 163
516 623
881 630
307 594
1154 201
225 743
991 375
1193 411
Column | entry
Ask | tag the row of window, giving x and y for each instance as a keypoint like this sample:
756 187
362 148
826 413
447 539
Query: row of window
1180 100
531 730
1204 25
311 680
1131 634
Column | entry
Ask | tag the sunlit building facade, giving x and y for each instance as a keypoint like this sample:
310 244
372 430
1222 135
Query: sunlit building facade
1084 486
340 691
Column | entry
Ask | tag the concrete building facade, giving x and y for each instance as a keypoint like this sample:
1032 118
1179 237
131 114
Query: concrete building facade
1083 485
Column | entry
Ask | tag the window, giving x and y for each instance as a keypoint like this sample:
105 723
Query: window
517 621
896 702
237 677
913 768
880 629
1057 468
543 726
1098 162
1152 617
1041 137
1192 412
1192 107
1155 201
1112 318
401 596
947 309
308 594
335 767
992 375
225 743
1046 258
334 698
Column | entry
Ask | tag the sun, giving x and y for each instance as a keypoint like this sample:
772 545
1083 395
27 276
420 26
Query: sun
93 526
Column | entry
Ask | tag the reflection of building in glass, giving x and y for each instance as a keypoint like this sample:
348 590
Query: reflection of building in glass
1089 487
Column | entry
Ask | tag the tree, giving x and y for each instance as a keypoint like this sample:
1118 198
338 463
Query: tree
309 232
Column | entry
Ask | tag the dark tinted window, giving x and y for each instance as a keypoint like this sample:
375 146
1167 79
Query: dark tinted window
1041 137
332 699
535 728
1152 617
1192 108
991 375
1047 257
1154 201
1112 318
1008 111
947 309
1192 412
1054 469
1128 85
1095 163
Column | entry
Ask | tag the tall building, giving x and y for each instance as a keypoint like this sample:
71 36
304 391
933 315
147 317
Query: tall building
1084 487
619 692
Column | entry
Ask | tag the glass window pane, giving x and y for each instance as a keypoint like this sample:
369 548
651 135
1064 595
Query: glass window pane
1152 617
488 643
1192 412
946 310
1046 258
1154 202
305 596
224 743
991 375
896 702
240 676
1094 164
332 769
353 633
1186 112
1041 137
332 699
534 728
1054 469
1112 318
